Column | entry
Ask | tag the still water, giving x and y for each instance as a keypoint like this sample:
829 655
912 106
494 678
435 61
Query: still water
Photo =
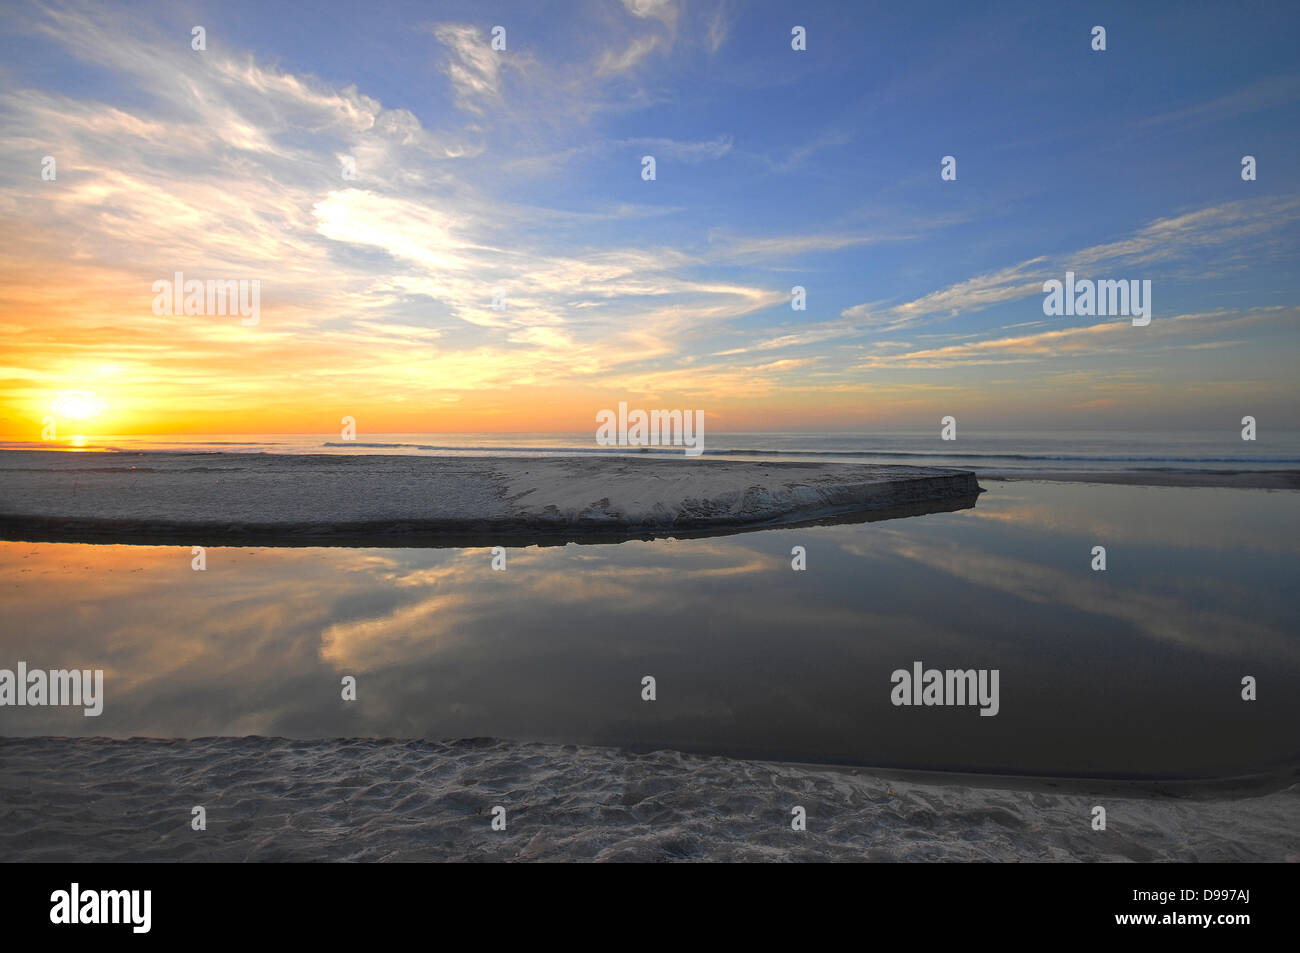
1131 672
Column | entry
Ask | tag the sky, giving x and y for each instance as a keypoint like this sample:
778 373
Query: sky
518 173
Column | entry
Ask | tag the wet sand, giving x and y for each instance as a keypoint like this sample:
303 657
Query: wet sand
267 799
1240 479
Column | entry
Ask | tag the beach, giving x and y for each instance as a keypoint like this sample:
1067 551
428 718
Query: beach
682 431
274 499
771 600
270 799
1238 479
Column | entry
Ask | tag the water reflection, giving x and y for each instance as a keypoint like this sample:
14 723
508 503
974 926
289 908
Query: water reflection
1132 672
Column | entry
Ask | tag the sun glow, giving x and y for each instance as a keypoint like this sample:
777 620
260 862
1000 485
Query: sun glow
77 405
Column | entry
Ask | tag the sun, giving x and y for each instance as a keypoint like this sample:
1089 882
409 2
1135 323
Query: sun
77 405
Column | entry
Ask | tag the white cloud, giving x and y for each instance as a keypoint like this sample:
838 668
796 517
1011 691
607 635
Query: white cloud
636 51
474 67
664 11
1245 227
682 151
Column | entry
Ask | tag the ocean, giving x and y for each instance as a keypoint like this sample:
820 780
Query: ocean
985 452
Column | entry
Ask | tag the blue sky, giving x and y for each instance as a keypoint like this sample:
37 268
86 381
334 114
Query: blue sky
521 170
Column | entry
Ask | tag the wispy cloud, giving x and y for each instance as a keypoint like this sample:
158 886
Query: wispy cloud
1272 93
517 173
473 67
628 58
1104 337
1243 227
665 11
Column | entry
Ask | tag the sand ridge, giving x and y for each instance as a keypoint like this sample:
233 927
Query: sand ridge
271 498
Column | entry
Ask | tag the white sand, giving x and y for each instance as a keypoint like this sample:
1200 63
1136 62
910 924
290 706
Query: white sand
269 498
268 799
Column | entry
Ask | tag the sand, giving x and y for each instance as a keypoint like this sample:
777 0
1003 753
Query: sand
274 499
1240 479
268 799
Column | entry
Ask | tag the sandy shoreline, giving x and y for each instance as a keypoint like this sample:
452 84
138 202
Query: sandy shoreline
274 499
260 499
1240 479
267 799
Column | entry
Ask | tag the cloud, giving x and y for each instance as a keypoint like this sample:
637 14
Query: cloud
664 11
801 154
474 68
1094 339
621 62
689 152
973 294
227 165
814 335
719 27
380 285
727 247
1246 227
1267 94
